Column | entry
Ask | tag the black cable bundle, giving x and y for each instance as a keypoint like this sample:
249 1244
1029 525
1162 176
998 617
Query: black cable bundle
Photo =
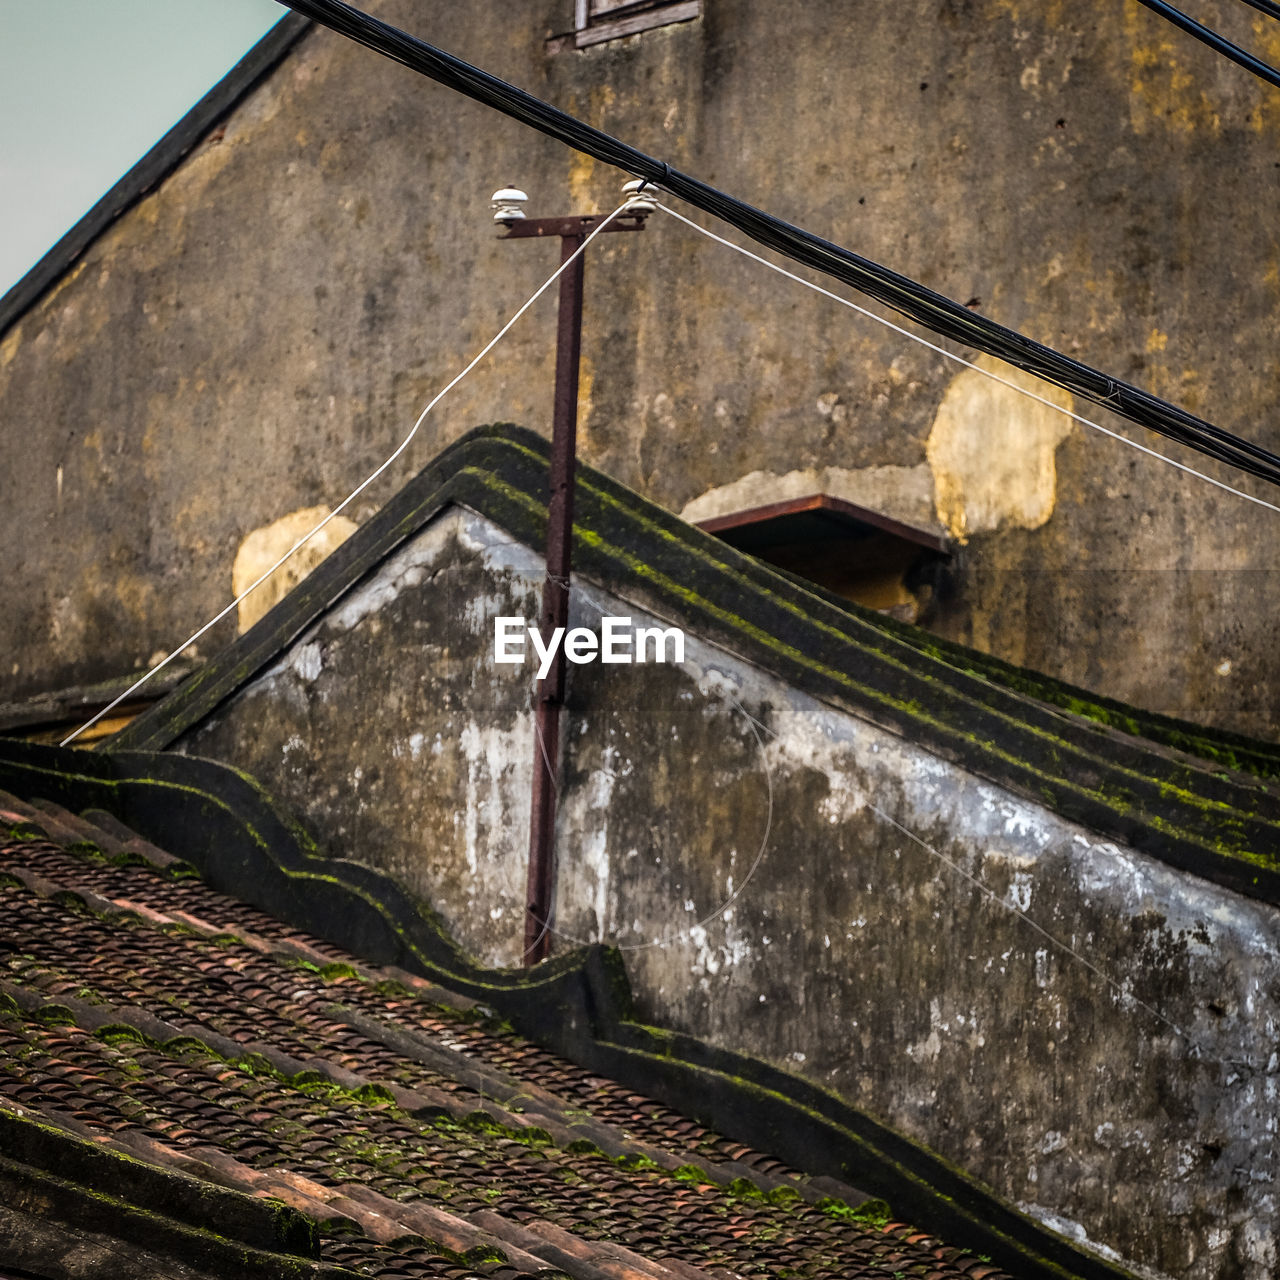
1206 35
1265 6
932 310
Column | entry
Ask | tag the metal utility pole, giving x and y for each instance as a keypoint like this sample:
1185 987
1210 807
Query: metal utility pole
572 231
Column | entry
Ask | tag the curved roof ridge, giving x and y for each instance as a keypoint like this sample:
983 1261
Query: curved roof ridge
219 822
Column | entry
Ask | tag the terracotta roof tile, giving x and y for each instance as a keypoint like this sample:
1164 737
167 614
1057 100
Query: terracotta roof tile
166 1019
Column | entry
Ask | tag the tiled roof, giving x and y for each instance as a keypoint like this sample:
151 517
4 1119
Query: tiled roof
146 1012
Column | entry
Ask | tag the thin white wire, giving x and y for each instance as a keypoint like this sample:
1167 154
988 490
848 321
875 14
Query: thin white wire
364 484
1088 422
1117 987
711 235
968 364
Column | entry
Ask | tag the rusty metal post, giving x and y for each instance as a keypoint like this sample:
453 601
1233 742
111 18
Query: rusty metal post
555 607
572 231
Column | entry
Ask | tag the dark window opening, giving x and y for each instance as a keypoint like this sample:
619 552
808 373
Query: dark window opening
597 20
855 553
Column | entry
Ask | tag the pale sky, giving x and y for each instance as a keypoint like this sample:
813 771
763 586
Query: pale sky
86 87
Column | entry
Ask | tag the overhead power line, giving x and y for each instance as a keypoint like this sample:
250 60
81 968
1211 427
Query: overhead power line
1265 6
1206 35
935 312
968 364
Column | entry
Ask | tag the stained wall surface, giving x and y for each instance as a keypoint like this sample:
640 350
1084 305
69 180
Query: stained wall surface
1087 1030
263 328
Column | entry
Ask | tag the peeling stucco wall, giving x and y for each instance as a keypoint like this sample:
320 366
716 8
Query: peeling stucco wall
292 296
262 551
1093 1034
418 764
992 450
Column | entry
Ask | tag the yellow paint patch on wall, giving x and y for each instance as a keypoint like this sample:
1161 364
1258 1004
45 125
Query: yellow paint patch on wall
50 299
9 347
157 226
581 170
602 99
992 451
1046 15
586 386
1163 90
1270 277
264 546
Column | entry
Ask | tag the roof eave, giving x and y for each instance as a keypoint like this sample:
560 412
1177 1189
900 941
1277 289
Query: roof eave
154 167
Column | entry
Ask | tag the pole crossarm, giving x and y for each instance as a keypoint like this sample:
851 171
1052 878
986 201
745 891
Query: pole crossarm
935 312
574 225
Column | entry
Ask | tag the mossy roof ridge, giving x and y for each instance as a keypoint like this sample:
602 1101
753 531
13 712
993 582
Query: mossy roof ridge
131 1025
1213 822
1159 802
865 628
1220 748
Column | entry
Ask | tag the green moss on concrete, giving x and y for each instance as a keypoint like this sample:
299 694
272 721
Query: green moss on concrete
55 1015
482 1122
339 973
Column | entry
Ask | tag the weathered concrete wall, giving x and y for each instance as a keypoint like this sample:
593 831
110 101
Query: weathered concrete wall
889 930
262 329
